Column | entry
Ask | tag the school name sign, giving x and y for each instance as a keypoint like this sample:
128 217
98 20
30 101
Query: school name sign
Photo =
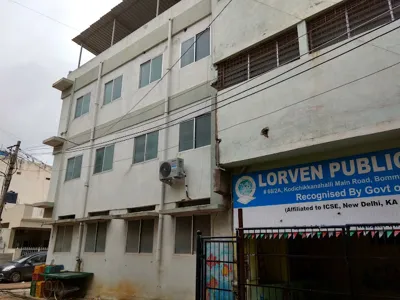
360 176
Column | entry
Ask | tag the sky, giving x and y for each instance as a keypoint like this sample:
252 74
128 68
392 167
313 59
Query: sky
37 50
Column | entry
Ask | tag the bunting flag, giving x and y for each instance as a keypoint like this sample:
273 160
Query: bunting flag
322 234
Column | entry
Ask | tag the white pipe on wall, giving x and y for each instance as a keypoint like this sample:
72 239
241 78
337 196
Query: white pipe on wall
87 180
165 144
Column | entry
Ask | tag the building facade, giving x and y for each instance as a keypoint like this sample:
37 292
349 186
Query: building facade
142 101
308 126
26 208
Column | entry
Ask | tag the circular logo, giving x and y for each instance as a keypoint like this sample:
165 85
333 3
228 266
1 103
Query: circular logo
245 188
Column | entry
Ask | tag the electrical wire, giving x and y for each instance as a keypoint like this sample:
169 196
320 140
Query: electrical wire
277 110
207 98
43 15
158 127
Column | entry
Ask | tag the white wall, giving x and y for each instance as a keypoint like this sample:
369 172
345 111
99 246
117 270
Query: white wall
31 184
365 107
130 185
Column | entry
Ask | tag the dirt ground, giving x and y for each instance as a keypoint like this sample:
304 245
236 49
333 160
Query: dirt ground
14 290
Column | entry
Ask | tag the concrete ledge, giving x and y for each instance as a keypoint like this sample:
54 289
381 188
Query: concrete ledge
138 215
189 210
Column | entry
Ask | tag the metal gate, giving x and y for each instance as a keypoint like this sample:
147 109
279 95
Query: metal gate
215 267
354 262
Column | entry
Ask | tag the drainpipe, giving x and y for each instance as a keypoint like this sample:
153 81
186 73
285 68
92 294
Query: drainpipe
87 180
165 145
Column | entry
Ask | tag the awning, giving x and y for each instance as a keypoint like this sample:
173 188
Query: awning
189 210
54 141
138 215
44 204
63 84
129 15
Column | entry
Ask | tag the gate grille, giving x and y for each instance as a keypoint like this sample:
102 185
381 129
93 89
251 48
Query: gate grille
216 266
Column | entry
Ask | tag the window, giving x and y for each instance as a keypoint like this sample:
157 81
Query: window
145 147
63 239
259 59
96 237
195 48
82 105
347 20
186 232
195 133
104 159
140 236
112 90
150 71
74 166
38 259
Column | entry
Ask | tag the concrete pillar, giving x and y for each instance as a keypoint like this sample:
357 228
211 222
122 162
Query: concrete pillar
303 38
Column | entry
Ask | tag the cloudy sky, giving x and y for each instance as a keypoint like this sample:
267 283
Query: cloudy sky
36 51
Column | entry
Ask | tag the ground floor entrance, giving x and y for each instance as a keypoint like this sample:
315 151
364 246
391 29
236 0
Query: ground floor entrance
336 262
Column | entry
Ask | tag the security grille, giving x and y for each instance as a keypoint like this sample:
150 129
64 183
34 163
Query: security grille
259 59
349 19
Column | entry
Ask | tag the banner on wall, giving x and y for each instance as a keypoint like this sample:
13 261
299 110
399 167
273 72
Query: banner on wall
334 184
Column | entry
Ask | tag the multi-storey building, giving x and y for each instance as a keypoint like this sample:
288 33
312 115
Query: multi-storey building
308 123
145 99
26 208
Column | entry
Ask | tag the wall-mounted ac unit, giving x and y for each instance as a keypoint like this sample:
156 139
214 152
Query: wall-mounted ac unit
171 169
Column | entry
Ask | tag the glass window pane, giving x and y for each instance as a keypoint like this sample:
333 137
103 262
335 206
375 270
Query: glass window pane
146 238
90 237
132 238
86 104
187 52
66 247
183 235
108 92
78 108
203 44
98 163
59 239
186 135
144 74
156 68
203 130
101 237
117 87
202 223
77 167
152 145
70 169
108 158
140 142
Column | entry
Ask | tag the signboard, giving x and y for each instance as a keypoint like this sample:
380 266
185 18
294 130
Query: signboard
323 192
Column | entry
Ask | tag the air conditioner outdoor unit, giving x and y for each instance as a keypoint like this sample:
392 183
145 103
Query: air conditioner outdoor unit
171 169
